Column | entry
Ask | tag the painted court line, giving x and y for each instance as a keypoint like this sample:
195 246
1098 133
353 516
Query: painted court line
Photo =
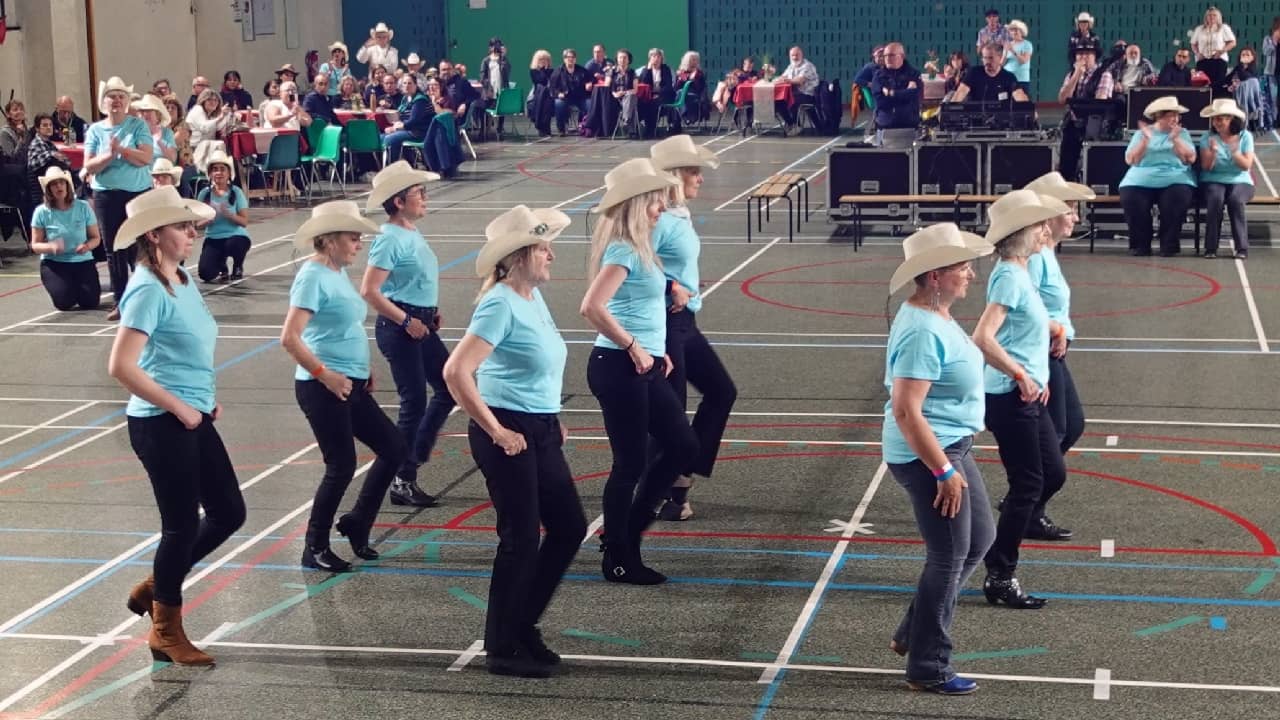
1107 548
467 656
1102 684
802 158
1253 307
49 423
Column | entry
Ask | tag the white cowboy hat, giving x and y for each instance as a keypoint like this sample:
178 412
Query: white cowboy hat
162 166
113 84
1163 104
1084 17
157 208
1019 25
516 228
55 173
680 151
338 45
1019 209
936 246
1224 106
331 217
633 177
218 156
381 28
392 179
413 59
151 102
1055 186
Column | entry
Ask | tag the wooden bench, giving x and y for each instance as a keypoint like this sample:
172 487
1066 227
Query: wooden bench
779 187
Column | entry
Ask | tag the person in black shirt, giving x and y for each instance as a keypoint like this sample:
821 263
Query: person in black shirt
67 125
317 103
569 86
1083 35
896 88
989 82
600 63
464 98
541 104
1176 72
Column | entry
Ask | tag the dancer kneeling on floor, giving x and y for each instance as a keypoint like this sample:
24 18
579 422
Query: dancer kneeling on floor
508 374
1013 334
628 368
324 333
163 355
225 236
933 373
64 231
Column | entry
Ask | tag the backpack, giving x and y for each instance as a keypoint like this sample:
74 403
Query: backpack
830 112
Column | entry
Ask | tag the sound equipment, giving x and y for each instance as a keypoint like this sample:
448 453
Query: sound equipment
1011 166
1193 99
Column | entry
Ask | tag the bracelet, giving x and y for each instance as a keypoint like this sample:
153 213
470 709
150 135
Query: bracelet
946 475
630 344
407 319
943 470
318 371
1019 376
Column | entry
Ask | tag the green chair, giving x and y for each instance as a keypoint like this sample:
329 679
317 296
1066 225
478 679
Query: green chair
327 149
676 105
314 131
363 138
510 104
284 156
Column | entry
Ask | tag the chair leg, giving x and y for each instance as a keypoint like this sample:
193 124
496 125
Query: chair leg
469 146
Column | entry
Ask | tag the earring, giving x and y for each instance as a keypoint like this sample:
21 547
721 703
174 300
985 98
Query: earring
935 301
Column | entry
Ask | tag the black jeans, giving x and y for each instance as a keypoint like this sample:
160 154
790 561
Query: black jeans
534 486
337 424
71 284
1069 151
636 406
188 469
109 205
697 363
414 365
216 252
1033 462
1137 203
1233 197
1065 410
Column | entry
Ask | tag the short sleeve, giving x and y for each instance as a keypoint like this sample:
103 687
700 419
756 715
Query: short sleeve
86 213
144 307
384 253
1133 142
620 254
306 292
917 355
1228 35
1246 142
139 134
1005 290
1038 269
238 200
492 320
94 137
203 195
40 218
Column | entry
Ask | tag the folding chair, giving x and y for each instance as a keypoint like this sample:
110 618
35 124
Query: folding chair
326 150
510 104
363 138
284 155
676 106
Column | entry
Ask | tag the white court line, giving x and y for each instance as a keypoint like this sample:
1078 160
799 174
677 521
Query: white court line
1113 440
738 269
820 587
1107 548
467 656
1102 684
1253 307
82 639
48 423
804 157
104 431
217 633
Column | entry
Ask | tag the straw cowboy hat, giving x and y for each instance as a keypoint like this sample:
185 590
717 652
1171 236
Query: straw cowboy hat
1224 106
151 102
381 28
633 177
55 173
331 217
155 209
162 166
1055 186
287 68
517 228
113 84
1084 17
393 178
338 45
413 59
218 156
1019 25
1168 103
1019 209
934 247
680 151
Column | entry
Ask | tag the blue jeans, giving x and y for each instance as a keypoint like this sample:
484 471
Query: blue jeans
953 549
414 365
562 110
393 142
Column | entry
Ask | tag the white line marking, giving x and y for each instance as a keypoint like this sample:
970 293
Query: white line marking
48 423
217 633
820 587
82 639
736 270
1265 177
804 157
1113 440
1107 548
467 656
103 432
1102 684
1253 307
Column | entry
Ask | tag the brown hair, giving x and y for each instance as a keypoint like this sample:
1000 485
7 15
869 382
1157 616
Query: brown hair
502 269
48 196
147 256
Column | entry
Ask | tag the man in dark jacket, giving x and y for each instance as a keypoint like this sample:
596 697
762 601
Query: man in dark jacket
569 88
1176 72
896 88
67 125
316 102
464 97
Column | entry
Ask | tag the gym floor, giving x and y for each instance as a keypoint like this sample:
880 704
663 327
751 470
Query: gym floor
784 587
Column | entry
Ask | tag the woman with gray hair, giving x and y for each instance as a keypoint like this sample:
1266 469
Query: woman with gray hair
1013 335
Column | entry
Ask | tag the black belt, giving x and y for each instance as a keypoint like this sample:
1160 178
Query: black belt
427 315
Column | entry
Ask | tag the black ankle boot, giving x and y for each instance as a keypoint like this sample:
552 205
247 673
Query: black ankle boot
535 648
324 559
622 565
358 535
1006 589
1042 528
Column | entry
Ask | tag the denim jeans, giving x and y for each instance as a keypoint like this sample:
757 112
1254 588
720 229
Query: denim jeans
953 549
562 110
1064 404
393 143
414 365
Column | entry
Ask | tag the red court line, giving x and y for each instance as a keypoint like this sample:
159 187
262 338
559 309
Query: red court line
542 176
19 290
1193 441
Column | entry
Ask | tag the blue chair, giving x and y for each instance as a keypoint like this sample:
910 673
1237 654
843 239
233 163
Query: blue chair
284 155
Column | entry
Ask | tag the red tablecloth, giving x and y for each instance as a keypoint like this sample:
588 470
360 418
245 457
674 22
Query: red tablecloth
644 92
384 118
74 153
251 143
782 91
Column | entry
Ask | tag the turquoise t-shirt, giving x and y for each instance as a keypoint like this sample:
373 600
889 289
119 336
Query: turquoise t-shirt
1225 171
640 304
1159 167
525 371
677 245
1025 332
924 345
336 332
1046 276
181 333
1021 71
70 227
222 228
166 137
120 174
413 272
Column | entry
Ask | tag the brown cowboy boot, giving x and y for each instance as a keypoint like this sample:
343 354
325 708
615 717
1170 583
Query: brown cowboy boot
141 596
168 641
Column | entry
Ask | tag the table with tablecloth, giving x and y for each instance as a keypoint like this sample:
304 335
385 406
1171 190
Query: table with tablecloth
782 92
384 118
74 153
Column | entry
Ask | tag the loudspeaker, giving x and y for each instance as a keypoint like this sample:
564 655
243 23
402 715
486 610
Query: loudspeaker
1011 167
1194 99
946 169
1104 166
868 171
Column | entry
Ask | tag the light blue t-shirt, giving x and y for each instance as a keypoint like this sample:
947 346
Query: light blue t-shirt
1159 167
1046 276
925 346
70 227
222 228
166 137
1225 171
1020 70
640 304
181 333
120 174
677 245
525 371
1025 332
335 334
413 272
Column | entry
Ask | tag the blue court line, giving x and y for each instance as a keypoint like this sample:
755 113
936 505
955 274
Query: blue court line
459 260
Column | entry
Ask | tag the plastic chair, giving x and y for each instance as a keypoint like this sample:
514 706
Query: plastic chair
314 131
284 155
510 104
363 138
328 147
675 106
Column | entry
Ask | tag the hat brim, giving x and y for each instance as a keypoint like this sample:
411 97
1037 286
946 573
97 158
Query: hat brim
388 188
1070 192
316 226
1149 110
148 220
497 248
174 172
702 158
638 186
1209 112
1018 219
373 33
223 160
939 257
63 175
102 97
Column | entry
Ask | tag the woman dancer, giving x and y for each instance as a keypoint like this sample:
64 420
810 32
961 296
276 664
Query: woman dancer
65 232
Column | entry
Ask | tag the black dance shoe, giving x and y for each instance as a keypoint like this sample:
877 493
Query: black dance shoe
407 492
358 535
536 649
621 566
324 559
1006 589
1042 528
517 663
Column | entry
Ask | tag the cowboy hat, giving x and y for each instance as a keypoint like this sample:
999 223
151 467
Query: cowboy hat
218 156
1019 209
162 166
1084 17
287 68
936 246
381 28
680 151
1224 106
151 102
1019 25
633 177
1055 186
155 209
338 45
113 84
393 178
55 173
331 217
1168 103
413 59
517 228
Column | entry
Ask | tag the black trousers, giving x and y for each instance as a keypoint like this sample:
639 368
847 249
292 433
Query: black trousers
1233 198
635 407
533 487
1216 69
109 205
188 469
1069 151
1066 412
1173 202
71 284
216 252
337 424
1032 460
696 363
